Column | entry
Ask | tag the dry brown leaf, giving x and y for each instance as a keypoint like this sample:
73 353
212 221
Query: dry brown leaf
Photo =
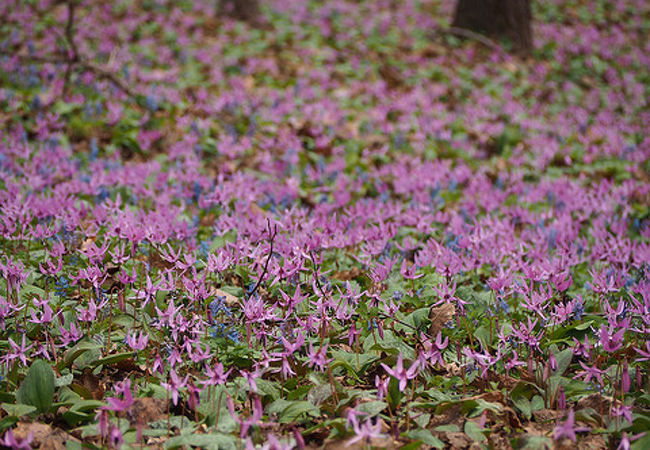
146 410
91 382
439 317
230 299
43 435
346 275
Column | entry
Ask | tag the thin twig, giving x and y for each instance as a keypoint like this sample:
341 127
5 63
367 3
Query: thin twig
272 236
108 76
79 65
69 30
73 59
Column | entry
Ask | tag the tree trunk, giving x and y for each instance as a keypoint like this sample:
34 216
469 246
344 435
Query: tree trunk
509 18
246 10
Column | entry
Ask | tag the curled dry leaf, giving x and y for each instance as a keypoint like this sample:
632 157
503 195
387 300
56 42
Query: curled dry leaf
439 316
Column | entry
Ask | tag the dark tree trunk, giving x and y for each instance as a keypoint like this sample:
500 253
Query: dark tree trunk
510 18
246 10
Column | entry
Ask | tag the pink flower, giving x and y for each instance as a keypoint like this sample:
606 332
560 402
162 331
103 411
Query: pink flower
408 272
250 421
366 432
175 383
568 428
318 357
402 374
9 440
117 405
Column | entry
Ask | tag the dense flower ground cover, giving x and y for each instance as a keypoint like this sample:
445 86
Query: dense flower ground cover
343 228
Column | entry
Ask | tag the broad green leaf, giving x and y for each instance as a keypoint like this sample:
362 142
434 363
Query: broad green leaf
532 442
18 410
426 437
537 403
87 405
37 389
372 408
207 441
111 359
474 431
75 352
319 394
65 380
268 388
296 409
563 359
522 404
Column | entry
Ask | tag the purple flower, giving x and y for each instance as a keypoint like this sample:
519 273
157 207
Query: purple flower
408 271
611 343
645 355
9 440
626 441
175 383
216 375
402 374
590 372
115 437
250 421
568 428
137 342
366 432
117 405
318 357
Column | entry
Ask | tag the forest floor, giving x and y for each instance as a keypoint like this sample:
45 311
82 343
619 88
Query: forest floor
342 227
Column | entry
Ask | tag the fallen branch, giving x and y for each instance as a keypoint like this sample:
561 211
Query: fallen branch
468 34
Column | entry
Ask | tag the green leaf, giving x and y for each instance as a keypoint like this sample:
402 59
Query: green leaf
394 393
483 335
537 403
207 441
296 409
111 359
268 388
74 418
563 359
522 404
81 391
65 380
449 428
422 420
415 445
319 394
425 437
372 408
37 389
67 396
87 405
474 431
76 351
18 410
532 442
299 392
642 443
